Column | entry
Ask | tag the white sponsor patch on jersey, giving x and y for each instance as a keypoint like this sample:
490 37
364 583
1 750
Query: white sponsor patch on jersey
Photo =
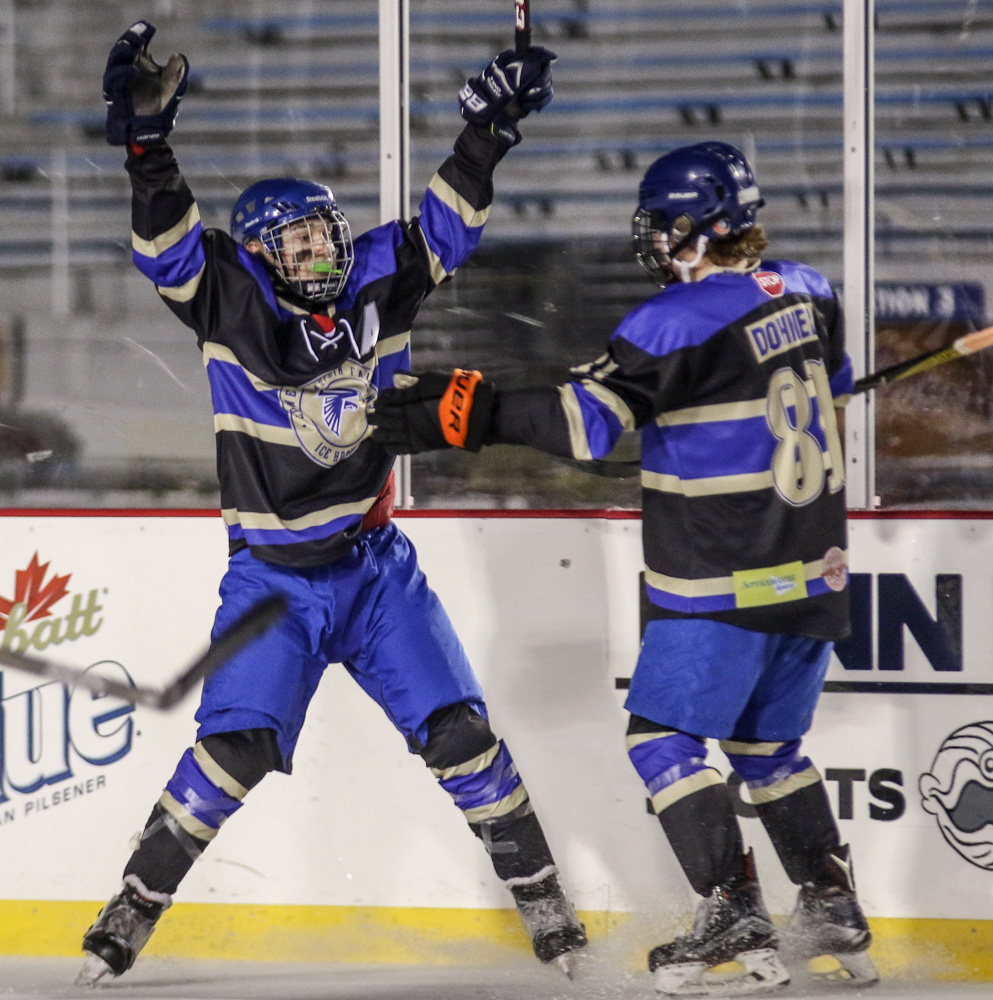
781 331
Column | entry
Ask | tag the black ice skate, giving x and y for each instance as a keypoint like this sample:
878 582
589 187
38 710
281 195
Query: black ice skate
828 921
730 925
121 930
550 922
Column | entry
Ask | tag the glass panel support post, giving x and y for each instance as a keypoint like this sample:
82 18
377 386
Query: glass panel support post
859 243
394 147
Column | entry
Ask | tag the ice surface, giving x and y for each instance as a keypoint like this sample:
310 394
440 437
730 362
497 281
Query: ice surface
174 979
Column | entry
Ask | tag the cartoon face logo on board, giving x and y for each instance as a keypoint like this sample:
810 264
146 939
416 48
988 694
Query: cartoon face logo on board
958 792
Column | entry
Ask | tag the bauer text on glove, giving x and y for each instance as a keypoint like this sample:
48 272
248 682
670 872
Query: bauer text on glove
431 410
142 97
511 87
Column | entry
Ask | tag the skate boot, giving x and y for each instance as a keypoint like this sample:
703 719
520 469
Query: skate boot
121 930
730 925
550 922
828 921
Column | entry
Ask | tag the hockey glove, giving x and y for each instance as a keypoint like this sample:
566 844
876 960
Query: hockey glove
510 88
432 410
142 97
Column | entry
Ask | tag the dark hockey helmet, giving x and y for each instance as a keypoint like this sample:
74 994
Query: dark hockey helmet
305 239
686 198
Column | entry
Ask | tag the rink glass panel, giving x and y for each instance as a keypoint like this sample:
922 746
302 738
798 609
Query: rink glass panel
933 252
103 398
102 394
554 273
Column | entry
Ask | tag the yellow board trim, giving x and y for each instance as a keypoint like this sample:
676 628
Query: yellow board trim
949 950
388 935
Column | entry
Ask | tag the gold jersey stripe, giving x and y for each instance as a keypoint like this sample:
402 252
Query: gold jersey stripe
633 740
392 345
271 522
269 433
478 763
162 242
745 410
574 419
611 400
445 193
182 815
217 352
772 793
217 774
744 482
182 293
494 810
685 786
749 749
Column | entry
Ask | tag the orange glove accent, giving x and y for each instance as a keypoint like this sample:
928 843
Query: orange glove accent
455 406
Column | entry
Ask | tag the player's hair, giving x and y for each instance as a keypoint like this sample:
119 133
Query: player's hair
725 251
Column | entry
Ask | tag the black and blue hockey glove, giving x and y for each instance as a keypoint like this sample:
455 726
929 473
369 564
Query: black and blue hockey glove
431 410
142 97
511 87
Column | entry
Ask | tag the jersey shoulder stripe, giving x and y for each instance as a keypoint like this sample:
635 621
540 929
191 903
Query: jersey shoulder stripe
172 265
685 316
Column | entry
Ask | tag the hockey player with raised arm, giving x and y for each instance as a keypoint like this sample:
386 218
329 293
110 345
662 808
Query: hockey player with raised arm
299 327
731 374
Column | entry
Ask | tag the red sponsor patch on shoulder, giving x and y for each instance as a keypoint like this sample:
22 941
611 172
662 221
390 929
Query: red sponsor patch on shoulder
770 283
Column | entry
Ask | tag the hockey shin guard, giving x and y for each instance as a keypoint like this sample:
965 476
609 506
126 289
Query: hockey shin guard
208 785
476 769
789 796
692 801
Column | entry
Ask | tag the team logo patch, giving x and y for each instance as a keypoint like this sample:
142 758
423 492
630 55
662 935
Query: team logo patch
328 415
770 283
958 792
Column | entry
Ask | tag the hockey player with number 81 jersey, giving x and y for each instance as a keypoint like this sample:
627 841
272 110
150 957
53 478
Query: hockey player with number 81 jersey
731 375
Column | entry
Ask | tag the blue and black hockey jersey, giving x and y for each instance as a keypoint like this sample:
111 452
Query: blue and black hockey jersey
290 388
731 381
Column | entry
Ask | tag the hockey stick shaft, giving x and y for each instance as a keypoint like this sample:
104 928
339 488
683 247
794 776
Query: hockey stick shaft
522 26
967 344
250 626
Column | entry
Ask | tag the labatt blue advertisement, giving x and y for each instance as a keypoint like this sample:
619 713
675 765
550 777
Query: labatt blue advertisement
53 739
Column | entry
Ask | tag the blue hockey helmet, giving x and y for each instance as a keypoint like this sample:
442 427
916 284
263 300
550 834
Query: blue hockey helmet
688 197
304 238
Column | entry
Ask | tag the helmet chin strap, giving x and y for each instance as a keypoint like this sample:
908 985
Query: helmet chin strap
685 267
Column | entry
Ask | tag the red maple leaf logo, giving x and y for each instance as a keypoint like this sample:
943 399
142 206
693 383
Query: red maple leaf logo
31 590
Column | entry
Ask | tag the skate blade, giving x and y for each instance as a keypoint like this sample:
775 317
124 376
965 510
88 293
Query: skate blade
94 969
853 969
751 972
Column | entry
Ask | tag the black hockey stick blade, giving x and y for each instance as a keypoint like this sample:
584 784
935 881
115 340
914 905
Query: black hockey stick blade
967 344
253 624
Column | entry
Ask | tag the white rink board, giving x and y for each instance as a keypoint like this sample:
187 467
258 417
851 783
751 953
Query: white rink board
548 610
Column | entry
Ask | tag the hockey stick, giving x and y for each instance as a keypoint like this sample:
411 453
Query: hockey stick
251 625
522 26
968 343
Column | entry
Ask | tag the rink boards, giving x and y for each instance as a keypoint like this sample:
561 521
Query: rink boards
360 857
